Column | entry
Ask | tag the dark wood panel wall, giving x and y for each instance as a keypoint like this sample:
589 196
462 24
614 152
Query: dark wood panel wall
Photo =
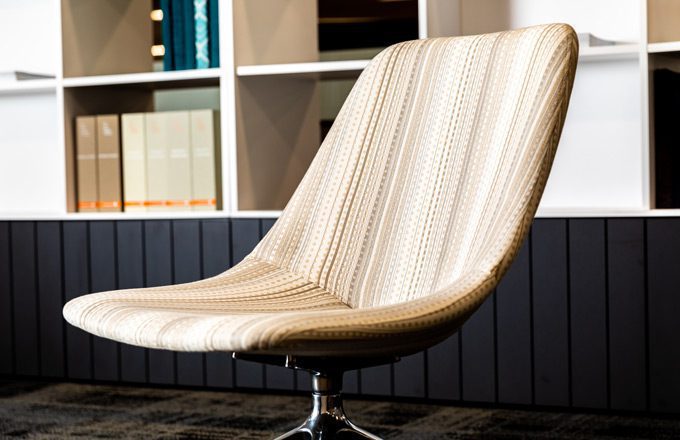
587 317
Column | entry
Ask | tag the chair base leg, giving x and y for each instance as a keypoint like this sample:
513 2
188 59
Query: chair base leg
327 420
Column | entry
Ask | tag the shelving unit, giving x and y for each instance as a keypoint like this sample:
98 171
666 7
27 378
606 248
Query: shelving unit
604 53
667 46
187 78
274 86
32 86
314 70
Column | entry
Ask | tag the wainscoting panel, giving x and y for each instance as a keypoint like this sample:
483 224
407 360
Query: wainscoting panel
130 261
587 316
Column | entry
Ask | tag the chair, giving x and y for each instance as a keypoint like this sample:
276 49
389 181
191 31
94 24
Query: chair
409 215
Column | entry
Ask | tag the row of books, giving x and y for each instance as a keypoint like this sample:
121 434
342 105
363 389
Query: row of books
190 34
148 161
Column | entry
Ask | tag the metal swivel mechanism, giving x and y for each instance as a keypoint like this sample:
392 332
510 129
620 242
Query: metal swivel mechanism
327 420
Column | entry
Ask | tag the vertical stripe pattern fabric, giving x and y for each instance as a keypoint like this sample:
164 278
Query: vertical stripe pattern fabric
412 210
429 166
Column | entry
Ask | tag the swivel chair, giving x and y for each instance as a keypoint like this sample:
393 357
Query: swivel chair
412 210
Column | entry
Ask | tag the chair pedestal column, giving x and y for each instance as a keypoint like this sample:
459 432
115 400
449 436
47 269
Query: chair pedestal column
328 419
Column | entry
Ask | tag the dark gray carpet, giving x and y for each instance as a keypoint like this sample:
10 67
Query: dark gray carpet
52 411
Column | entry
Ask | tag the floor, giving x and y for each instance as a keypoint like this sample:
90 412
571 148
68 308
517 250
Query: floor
63 410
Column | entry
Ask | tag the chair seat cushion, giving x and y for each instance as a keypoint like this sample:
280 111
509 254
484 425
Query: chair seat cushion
206 315
257 307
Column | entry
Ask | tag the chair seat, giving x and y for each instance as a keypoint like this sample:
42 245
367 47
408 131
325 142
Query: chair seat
256 307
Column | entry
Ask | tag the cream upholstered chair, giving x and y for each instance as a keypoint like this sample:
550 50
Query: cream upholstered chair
412 210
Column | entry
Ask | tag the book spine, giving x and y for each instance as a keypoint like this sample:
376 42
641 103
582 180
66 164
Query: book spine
178 39
134 162
179 162
86 163
214 32
166 29
204 147
108 164
189 35
201 28
157 176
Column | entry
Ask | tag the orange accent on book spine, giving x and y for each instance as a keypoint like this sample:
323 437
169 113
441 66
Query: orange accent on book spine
203 202
178 203
87 205
109 204
155 203
133 203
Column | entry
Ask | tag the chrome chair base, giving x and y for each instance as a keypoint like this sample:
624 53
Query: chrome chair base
327 420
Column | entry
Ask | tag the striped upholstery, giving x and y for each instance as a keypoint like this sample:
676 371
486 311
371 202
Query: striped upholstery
412 210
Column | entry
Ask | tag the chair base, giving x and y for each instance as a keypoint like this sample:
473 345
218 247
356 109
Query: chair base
327 420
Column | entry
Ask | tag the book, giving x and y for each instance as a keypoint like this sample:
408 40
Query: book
134 161
214 33
86 163
177 25
189 35
201 31
183 34
108 164
166 34
156 161
179 160
205 142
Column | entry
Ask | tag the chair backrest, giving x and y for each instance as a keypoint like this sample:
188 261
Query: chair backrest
434 166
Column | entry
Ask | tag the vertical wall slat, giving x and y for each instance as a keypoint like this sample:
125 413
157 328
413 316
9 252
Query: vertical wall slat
130 251
443 369
478 355
158 255
50 293
186 237
663 281
588 287
513 331
25 296
550 306
103 278
303 381
350 382
6 308
216 247
627 343
376 381
76 283
409 376
245 234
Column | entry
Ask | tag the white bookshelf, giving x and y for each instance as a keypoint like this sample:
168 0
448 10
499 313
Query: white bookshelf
663 47
316 70
32 86
268 90
609 53
188 77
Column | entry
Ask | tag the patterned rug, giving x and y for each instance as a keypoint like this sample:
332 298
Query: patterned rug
53 411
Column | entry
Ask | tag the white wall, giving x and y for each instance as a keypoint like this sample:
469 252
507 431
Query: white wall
598 162
610 19
31 164
32 26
